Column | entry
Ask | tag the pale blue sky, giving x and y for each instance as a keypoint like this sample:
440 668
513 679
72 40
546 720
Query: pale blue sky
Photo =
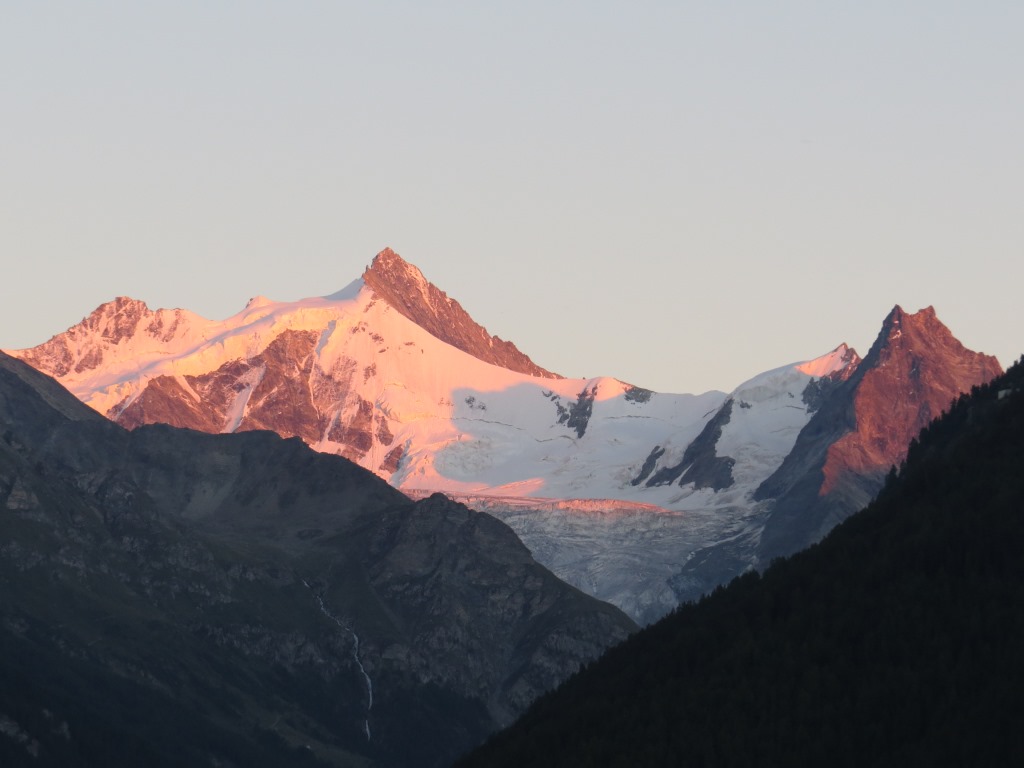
680 195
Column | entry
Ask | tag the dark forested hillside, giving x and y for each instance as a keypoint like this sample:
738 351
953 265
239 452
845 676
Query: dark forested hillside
896 641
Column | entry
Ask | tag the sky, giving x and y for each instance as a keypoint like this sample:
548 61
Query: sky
678 194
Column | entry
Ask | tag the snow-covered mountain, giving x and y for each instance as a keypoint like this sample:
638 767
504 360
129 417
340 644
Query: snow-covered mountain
616 488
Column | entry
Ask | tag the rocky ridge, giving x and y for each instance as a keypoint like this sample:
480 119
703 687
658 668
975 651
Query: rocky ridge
268 603
404 287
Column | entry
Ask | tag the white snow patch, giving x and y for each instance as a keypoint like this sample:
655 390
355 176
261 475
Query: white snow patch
183 383
826 364
236 412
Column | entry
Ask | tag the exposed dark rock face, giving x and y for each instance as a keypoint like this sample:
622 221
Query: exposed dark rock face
392 460
636 394
281 401
176 598
863 426
577 415
357 435
277 389
405 288
452 601
648 466
170 400
700 464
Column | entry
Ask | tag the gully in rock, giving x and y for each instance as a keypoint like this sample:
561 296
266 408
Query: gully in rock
355 655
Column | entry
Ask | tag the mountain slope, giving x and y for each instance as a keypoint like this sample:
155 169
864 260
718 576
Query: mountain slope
256 597
896 641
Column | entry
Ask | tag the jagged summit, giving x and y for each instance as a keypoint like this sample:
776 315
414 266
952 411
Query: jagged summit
86 346
388 267
914 370
916 360
920 328
404 287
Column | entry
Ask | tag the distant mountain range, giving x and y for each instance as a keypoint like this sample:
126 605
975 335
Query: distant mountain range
171 598
637 497
896 641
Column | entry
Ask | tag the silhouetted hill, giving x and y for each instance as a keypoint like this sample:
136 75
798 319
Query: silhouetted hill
896 641
172 598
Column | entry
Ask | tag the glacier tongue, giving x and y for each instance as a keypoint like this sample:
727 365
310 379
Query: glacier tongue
631 555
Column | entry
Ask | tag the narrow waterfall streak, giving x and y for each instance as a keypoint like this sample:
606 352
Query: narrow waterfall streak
355 655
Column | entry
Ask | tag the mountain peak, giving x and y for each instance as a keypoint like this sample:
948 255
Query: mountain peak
388 261
404 288
111 331
898 312
898 315
80 348
390 269
915 369
120 313
838 364
914 331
